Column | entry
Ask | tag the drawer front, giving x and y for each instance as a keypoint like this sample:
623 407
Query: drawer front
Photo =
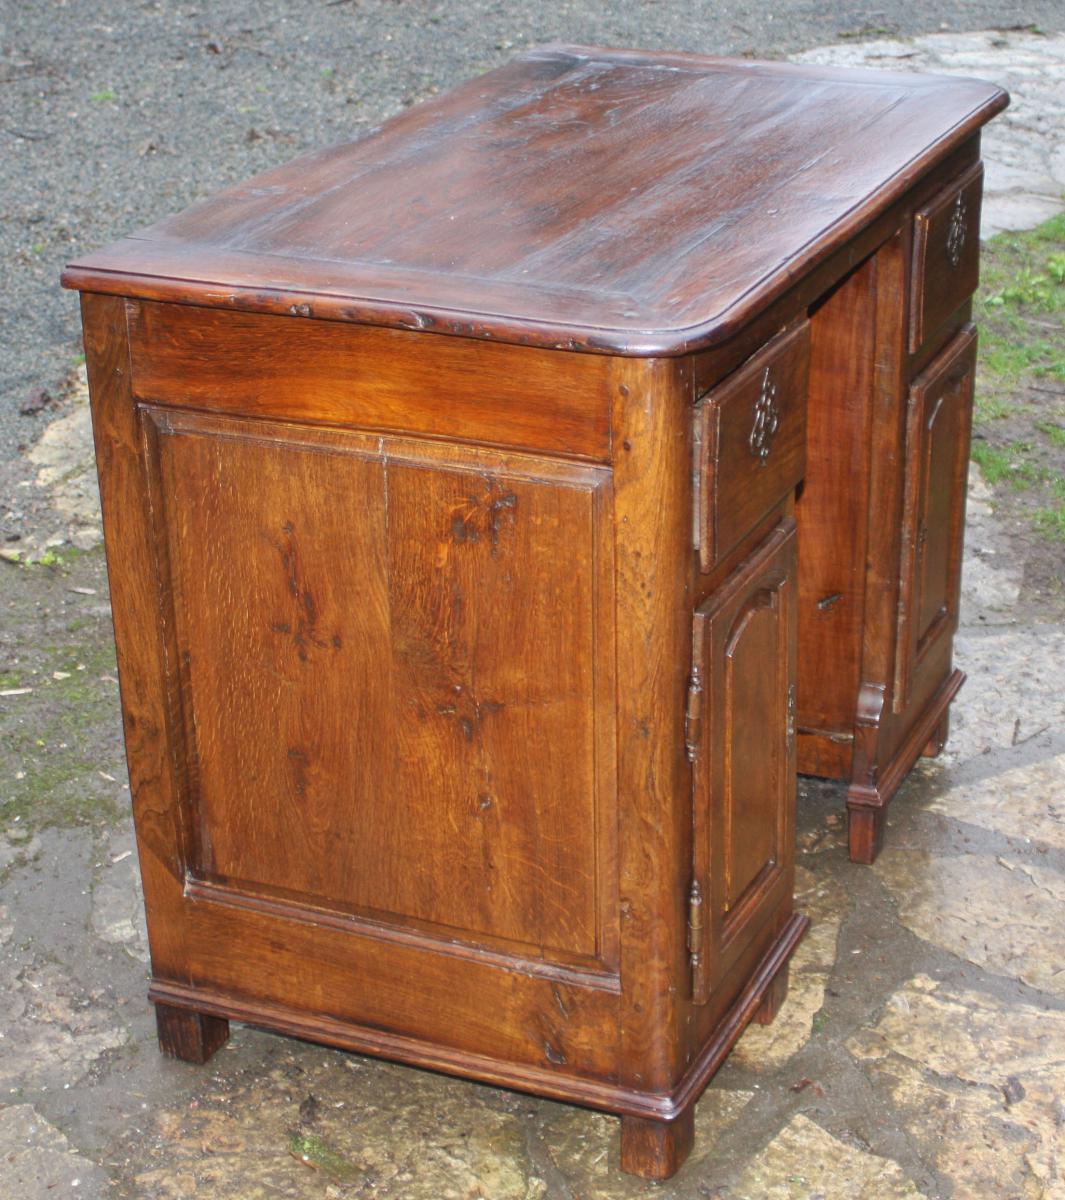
946 254
939 417
750 443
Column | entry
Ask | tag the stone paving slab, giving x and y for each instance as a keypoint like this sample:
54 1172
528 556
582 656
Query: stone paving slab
980 1083
803 1162
1023 148
38 1163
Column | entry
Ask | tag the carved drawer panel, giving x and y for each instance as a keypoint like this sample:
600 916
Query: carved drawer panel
750 439
946 254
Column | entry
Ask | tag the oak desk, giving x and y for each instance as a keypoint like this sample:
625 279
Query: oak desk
449 485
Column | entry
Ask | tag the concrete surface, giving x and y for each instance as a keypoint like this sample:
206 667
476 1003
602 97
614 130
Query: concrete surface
922 1047
1024 148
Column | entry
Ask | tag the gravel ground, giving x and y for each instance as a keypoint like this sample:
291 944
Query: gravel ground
114 113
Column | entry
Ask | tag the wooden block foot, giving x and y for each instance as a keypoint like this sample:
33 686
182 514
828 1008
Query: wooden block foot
190 1036
656 1149
934 746
774 997
865 828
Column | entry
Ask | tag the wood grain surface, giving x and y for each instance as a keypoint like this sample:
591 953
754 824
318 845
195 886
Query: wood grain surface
419 623
459 672
576 197
324 373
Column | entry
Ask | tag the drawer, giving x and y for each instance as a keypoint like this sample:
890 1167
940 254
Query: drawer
750 443
946 254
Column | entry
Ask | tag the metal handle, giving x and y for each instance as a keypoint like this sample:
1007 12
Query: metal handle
957 231
766 420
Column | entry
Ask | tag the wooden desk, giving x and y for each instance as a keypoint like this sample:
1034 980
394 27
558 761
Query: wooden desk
449 488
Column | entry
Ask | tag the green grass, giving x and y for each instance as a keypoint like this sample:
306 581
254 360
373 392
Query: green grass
1008 358
60 785
1006 464
49 733
1019 414
1050 231
1024 273
1051 522
1050 518
994 408
1030 289
1055 433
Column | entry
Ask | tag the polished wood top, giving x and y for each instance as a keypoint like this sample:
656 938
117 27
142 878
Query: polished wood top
597 200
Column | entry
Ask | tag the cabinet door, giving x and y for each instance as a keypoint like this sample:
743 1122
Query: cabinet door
939 417
742 742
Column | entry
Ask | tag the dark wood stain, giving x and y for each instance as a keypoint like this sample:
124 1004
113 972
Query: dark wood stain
576 197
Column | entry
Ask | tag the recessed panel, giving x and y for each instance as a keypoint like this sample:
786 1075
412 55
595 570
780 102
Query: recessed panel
755 686
387 677
943 432
742 752
938 429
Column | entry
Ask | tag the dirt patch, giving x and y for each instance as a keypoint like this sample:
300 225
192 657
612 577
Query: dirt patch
59 712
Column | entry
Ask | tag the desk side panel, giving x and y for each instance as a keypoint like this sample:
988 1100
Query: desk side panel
521 989
385 659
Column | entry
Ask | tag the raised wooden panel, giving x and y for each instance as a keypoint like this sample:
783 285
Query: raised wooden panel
938 424
946 254
750 443
394 680
743 755
752 833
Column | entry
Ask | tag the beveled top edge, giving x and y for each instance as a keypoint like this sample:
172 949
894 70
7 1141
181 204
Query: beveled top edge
142 266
